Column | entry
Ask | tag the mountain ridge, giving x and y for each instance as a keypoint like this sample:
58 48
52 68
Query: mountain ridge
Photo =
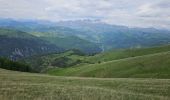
107 36
17 44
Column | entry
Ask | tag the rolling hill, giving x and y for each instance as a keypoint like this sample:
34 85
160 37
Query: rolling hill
73 58
144 63
125 53
60 60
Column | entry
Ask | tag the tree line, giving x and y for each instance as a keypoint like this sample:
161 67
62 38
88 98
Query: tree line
14 65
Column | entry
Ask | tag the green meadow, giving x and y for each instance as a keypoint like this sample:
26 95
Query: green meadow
26 86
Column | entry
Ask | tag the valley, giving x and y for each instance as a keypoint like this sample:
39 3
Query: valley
84 49
83 60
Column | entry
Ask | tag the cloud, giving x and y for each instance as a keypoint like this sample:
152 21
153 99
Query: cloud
159 9
155 14
141 13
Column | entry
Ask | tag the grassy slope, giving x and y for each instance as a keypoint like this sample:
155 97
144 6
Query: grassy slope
45 62
120 54
153 66
25 86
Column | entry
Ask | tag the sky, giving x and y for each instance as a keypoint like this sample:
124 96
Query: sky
132 13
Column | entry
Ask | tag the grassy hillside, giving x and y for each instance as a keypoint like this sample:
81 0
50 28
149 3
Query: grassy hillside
25 86
75 58
61 60
120 54
148 65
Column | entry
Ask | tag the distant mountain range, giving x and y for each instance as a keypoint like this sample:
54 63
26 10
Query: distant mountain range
117 37
86 35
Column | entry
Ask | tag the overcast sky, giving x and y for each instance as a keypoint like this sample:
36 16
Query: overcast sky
139 13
